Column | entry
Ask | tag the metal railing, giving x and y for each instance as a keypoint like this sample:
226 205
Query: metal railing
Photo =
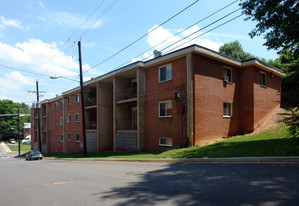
127 93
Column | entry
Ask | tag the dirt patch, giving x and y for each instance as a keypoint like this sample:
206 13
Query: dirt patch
271 121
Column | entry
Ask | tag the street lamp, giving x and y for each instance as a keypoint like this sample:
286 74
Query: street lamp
82 105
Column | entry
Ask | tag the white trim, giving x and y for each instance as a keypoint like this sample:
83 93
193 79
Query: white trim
68 119
61 122
69 135
77 114
167 66
55 138
166 116
55 121
61 135
78 137
231 109
231 73
263 73
78 94
168 139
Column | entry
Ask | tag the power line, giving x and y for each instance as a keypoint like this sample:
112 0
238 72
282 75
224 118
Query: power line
179 32
206 32
142 36
112 20
83 22
91 25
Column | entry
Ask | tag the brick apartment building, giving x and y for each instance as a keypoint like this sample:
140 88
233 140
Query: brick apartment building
190 96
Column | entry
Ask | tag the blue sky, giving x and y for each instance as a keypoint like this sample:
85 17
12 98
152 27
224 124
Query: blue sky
39 38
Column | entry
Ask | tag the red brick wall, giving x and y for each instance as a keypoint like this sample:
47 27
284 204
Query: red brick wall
210 91
74 127
55 146
266 99
155 92
246 97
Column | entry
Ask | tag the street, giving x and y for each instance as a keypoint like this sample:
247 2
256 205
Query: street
59 182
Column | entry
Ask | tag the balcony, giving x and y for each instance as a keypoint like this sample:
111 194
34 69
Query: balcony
90 101
127 94
127 124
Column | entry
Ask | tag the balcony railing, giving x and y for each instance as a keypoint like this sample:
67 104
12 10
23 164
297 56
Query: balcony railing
127 94
126 124
91 125
90 101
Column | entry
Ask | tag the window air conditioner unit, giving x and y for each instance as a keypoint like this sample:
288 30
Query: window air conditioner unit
226 78
178 95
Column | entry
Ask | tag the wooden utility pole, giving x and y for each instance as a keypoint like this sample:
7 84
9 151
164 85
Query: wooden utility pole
82 101
19 130
37 116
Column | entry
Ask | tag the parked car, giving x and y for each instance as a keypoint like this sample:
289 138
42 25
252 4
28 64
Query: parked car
34 154
27 140
12 141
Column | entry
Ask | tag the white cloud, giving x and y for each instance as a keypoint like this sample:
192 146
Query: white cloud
161 34
15 81
4 97
42 5
38 56
135 60
11 22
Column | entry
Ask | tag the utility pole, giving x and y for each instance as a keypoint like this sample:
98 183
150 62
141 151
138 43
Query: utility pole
38 118
82 100
19 131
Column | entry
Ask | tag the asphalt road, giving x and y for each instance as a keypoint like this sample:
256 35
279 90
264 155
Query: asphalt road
58 182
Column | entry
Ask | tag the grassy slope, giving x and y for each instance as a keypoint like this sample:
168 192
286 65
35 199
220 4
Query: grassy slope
273 142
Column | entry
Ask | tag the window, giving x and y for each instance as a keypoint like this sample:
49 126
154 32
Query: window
61 120
229 74
262 79
61 104
55 137
76 137
68 100
55 105
227 109
68 118
165 109
165 142
76 117
77 98
69 137
165 73
55 121
61 137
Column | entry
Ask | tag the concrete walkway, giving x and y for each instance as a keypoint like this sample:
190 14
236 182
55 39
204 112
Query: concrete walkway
5 148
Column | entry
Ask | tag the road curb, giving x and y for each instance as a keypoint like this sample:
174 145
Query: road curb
256 160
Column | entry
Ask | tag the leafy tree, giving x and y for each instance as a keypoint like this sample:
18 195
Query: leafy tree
235 50
277 19
9 124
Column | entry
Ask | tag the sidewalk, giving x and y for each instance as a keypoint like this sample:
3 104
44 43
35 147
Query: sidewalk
5 148
255 160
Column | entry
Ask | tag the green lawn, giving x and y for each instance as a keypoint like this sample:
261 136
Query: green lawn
273 142
15 147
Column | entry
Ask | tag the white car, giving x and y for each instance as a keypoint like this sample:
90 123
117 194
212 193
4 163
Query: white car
27 140
12 141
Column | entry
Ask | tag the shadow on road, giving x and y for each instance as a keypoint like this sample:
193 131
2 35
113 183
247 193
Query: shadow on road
212 184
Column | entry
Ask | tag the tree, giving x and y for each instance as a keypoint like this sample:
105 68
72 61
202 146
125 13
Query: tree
9 124
235 50
278 19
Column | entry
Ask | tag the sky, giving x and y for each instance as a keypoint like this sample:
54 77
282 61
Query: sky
39 39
